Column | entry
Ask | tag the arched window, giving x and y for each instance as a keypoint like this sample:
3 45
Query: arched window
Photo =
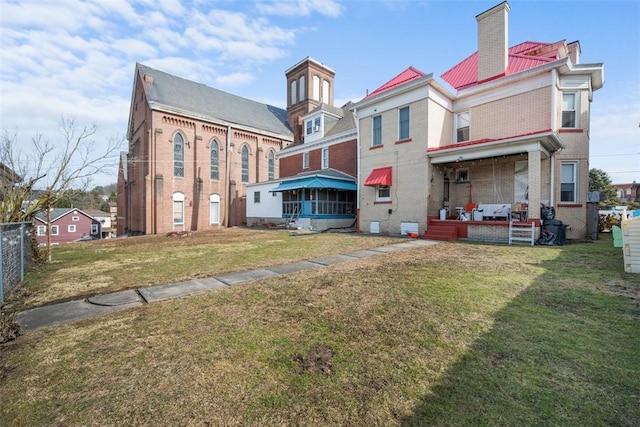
325 91
215 161
272 165
245 163
214 209
178 155
294 92
178 208
316 88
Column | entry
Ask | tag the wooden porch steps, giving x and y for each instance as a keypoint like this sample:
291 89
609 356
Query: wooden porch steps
441 232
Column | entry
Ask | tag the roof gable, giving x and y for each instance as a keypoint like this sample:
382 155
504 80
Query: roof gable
165 91
406 76
522 57
57 213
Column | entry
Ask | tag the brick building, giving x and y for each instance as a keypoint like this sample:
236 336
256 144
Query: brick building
513 132
317 185
192 151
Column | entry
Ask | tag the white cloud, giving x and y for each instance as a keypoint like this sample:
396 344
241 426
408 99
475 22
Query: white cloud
329 8
234 79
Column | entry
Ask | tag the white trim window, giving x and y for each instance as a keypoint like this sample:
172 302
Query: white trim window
313 125
383 193
569 182
42 230
71 228
305 160
376 140
463 122
75 218
54 230
214 209
94 229
569 110
325 158
178 208
403 123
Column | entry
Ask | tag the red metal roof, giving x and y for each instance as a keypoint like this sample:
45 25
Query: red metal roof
406 76
380 176
522 57
485 140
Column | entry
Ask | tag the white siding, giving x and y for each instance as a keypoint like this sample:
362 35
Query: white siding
270 205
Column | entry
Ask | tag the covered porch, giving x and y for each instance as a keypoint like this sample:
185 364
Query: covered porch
319 200
479 188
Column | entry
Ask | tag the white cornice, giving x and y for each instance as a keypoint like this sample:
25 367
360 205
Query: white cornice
325 142
546 142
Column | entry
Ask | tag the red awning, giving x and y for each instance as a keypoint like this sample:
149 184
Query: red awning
381 176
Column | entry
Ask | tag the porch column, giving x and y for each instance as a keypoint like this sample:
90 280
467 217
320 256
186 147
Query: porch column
534 183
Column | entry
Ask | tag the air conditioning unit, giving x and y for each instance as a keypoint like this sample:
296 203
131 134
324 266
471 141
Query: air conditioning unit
316 128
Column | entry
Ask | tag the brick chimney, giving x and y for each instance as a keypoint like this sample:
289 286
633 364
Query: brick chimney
493 44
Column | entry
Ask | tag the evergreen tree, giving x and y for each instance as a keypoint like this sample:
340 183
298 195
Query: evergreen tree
599 181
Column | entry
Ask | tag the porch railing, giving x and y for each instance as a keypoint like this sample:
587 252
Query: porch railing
318 207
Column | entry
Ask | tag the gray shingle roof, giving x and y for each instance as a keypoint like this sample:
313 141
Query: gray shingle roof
191 98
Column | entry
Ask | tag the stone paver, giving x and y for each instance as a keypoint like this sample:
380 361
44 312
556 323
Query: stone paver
294 267
362 254
115 299
181 289
246 276
332 259
66 312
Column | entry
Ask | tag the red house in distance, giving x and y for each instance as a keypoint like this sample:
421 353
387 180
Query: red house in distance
67 225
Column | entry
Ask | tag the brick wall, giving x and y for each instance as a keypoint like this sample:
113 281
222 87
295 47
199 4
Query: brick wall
515 115
151 180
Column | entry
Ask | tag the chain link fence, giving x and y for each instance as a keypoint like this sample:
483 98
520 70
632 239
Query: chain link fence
17 255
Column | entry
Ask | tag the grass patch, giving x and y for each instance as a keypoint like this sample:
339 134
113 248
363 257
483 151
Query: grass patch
453 334
85 269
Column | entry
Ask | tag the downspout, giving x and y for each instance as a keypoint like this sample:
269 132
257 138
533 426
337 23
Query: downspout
554 102
554 122
357 120
227 172
553 179
195 209
152 181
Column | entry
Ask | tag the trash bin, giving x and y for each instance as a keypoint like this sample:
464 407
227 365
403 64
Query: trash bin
477 214
558 229
443 214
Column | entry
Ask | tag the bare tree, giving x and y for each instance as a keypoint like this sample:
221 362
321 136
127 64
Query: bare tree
53 169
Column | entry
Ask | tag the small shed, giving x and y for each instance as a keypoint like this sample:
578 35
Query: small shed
631 244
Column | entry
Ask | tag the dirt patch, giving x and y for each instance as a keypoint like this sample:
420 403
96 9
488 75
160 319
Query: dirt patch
318 360
9 328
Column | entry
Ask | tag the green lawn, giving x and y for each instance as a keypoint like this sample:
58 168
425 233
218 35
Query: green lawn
455 334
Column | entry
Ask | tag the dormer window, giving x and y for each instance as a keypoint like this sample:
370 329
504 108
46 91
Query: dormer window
313 126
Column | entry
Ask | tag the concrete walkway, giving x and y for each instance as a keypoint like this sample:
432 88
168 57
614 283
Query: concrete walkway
56 314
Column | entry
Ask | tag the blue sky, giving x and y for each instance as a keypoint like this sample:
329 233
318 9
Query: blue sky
76 58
